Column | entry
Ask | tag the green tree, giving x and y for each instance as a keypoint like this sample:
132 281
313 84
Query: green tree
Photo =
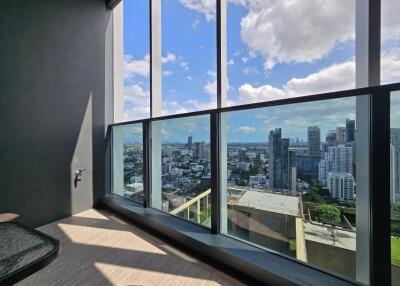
395 229
313 197
327 214
395 208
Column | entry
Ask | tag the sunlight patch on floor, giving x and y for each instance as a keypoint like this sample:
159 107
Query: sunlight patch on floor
98 236
92 214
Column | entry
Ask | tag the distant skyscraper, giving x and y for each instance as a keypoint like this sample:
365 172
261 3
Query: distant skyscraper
393 174
337 159
314 141
395 164
350 130
190 143
341 186
340 135
281 161
331 138
200 150
242 155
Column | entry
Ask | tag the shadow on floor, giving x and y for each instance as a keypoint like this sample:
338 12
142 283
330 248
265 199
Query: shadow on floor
98 248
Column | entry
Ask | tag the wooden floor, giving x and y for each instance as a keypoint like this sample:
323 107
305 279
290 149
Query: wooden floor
99 249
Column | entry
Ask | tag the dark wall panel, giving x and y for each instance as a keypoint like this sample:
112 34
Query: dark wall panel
52 59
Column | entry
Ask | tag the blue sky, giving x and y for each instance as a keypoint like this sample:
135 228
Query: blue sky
276 49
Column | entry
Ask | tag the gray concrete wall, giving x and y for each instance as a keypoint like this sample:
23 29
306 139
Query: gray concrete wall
52 106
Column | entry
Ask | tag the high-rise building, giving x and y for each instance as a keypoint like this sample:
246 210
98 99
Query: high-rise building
314 140
190 143
281 161
331 138
338 159
200 150
341 185
340 135
242 155
350 130
307 166
395 164
393 174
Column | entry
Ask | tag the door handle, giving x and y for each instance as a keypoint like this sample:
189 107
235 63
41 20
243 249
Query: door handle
78 175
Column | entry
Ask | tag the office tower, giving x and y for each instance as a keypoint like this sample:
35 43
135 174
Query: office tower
395 164
307 166
190 142
242 155
393 174
331 138
314 141
340 135
200 150
337 159
341 186
281 161
350 130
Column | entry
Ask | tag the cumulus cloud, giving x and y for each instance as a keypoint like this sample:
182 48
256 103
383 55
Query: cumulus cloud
205 7
134 67
195 24
390 20
297 30
170 57
390 66
246 129
211 73
184 65
167 73
137 102
335 77
339 76
211 87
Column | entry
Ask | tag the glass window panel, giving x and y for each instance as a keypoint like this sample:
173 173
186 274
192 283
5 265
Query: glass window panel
181 168
127 158
286 48
390 41
395 185
188 56
289 181
136 64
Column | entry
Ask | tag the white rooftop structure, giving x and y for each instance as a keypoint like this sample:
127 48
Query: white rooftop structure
270 202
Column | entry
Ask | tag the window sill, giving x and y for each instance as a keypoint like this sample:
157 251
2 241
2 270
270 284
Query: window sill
243 261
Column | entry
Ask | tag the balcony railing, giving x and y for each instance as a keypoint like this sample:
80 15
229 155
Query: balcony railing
268 192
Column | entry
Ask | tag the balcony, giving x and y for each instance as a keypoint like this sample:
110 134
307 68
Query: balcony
193 142
272 194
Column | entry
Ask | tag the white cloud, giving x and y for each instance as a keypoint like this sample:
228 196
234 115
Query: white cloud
245 129
231 62
167 73
195 24
137 102
250 70
170 57
211 87
205 7
390 66
211 73
335 77
390 20
134 67
189 77
184 65
339 76
296 30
